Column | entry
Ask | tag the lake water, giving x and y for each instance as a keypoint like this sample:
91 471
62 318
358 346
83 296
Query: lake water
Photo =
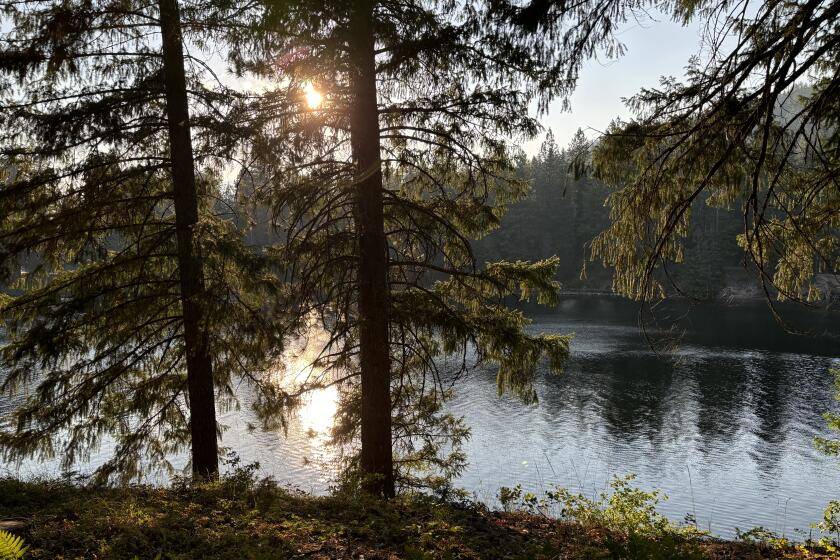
722 422
723 425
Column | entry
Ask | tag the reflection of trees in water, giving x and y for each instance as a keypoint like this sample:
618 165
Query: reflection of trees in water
770 399
638 387
626 394
639 397
721 387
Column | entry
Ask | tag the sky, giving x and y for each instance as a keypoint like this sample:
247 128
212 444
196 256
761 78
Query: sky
656 47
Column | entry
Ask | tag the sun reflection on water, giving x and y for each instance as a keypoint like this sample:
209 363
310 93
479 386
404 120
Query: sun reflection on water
317 414
318 407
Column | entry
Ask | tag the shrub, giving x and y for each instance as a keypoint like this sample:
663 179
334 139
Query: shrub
830 525
627 513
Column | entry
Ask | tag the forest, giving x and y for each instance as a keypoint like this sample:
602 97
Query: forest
286 279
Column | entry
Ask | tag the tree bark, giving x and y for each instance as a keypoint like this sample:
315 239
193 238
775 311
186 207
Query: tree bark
376 453
200 387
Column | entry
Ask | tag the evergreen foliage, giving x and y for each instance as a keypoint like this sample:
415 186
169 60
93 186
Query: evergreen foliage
565 212
453 84
739 132
93 342
371 195
559 217
752 127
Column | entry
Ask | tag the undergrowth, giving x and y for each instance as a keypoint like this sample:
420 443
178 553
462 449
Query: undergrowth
242 517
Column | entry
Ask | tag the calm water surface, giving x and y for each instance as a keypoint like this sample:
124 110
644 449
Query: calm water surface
723 422
723 425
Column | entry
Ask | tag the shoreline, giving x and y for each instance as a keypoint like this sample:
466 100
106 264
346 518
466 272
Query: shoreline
241 517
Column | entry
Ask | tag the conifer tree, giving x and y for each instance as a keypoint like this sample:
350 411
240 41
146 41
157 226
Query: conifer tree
200 388
404 161
143 305
753 126
740 131
561 216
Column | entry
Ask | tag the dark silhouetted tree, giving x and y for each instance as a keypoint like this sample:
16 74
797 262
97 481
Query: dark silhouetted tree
386 184
144 305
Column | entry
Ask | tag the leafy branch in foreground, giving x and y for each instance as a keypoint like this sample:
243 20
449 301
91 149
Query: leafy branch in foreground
754 125
12 546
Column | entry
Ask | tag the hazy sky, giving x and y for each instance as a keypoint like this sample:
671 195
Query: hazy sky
655 48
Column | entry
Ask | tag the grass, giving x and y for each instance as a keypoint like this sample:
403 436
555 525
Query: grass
242 519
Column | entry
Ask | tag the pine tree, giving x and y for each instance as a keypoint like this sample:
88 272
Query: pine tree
386 183
739 131
560 217
372 268
144 304
200 388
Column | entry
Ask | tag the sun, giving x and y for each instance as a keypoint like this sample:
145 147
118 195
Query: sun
314 98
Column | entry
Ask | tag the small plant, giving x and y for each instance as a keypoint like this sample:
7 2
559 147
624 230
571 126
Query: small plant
628 514
831 520
830 525
510 497
624 508
241 477
11 546
762 536
831 446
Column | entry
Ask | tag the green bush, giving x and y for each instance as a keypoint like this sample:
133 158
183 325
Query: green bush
635 529
830 525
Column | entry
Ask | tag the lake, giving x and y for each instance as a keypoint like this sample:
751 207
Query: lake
720 416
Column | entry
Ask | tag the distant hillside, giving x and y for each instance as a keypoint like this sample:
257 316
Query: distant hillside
563 214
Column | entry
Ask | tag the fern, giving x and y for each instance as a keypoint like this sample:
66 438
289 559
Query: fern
11 547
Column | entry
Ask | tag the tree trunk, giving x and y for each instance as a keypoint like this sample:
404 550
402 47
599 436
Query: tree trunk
376 453
200 388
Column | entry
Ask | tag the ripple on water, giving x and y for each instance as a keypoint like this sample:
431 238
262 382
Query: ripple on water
722 424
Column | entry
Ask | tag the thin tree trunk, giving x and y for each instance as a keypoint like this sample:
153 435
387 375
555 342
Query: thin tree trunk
376 453
200 388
